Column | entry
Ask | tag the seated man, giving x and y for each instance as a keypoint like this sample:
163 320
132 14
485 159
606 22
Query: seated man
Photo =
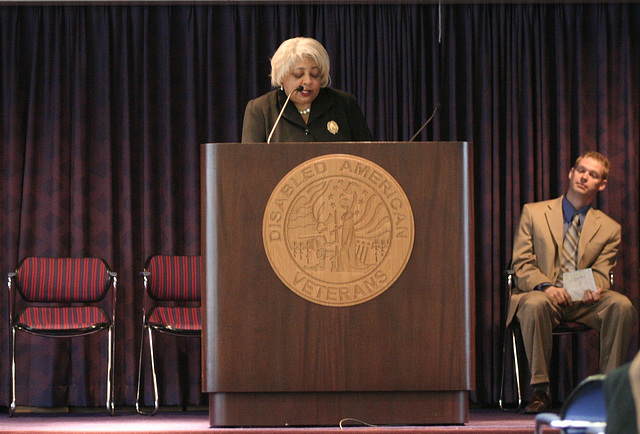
558 236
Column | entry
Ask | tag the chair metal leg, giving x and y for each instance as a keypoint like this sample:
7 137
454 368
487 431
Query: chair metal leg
110 392
156 397
12 407
510 331
516 364
156 403
140 359
503 369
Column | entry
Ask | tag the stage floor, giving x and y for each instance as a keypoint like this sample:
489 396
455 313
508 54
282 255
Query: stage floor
127 421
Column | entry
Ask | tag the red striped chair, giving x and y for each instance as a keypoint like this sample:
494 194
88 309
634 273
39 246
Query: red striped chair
171 305
62 298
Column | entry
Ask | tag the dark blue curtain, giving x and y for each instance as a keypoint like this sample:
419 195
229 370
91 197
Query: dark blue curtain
103 108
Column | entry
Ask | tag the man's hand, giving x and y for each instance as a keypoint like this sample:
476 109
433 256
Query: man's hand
560 295
590 297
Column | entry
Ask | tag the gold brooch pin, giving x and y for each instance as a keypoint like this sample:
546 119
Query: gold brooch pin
332 126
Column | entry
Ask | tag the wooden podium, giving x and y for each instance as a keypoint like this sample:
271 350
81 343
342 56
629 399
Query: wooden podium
274 358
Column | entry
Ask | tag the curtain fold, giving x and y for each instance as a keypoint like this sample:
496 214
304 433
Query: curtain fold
103 109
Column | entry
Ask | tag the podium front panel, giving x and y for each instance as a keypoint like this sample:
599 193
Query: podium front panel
408 349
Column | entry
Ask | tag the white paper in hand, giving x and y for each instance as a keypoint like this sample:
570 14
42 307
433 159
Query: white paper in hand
577 282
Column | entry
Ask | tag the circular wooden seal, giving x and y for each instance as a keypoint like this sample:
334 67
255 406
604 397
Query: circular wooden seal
338 230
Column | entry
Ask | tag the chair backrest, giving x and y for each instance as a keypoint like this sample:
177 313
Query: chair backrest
173 278
63 280
586 402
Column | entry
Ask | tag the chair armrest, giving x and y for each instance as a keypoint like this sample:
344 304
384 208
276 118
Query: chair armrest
114 299
510 275
546 418
509 284
11 275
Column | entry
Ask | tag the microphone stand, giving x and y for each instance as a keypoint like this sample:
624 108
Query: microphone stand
297 89
426 123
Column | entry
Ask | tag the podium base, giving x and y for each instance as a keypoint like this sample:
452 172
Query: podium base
281 409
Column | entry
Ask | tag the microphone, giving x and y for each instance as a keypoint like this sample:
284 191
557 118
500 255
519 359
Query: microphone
297 89
435 109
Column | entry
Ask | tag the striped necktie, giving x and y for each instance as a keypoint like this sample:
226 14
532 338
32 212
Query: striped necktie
569 259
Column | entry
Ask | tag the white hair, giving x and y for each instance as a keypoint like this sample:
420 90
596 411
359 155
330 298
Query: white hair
291 52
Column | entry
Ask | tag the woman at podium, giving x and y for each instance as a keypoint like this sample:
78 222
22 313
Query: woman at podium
302 108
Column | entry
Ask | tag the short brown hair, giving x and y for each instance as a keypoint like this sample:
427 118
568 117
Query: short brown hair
598 157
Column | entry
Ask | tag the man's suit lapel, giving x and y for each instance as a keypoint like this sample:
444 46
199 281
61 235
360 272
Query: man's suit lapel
555 222
590 228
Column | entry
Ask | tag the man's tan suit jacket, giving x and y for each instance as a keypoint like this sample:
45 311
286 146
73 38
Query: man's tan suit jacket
538 244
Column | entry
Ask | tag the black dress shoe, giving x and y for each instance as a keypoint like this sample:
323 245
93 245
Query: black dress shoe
540 403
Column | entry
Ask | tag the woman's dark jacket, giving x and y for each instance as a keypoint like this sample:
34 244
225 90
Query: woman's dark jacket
335 117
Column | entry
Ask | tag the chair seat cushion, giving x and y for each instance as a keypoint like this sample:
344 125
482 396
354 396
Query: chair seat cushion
178 319
80 319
